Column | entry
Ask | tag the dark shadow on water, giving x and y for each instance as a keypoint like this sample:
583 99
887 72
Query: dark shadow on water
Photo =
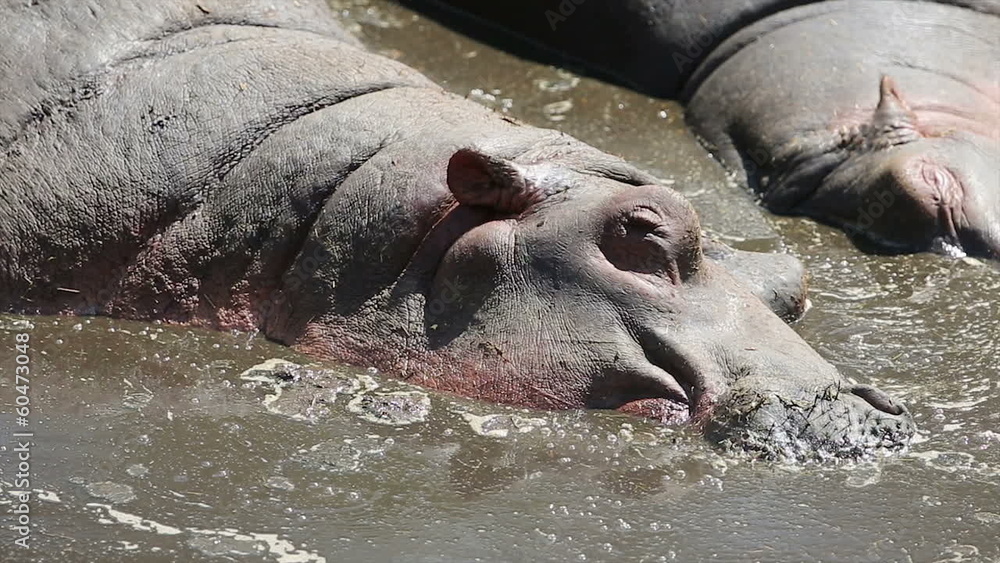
518 45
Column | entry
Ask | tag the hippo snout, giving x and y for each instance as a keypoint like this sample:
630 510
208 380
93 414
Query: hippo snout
839 421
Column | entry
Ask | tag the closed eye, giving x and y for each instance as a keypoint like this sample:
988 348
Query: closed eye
640 242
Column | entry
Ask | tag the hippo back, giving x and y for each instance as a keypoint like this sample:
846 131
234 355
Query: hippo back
56 48
172 163
122 124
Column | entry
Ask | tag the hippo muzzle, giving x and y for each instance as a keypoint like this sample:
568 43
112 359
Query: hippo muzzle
753 386
840 421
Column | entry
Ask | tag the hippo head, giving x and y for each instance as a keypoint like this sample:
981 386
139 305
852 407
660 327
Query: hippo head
914 182
543 286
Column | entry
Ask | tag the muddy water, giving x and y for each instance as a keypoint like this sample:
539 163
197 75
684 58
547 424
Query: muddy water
149 445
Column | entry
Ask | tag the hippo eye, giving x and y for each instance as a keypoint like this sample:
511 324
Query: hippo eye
640 241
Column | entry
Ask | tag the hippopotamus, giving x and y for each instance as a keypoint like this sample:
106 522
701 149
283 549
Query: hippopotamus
881 117
247 165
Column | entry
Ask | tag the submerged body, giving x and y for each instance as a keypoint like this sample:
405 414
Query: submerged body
881 117
240 166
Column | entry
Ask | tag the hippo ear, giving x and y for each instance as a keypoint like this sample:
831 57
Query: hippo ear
893 115
482 180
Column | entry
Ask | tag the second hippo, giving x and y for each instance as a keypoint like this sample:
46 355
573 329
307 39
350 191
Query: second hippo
881 117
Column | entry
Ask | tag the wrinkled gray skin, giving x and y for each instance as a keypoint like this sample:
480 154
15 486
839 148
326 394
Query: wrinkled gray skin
236 166
779 280
881 117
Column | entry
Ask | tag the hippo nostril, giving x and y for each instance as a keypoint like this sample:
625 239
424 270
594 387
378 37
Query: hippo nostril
878 399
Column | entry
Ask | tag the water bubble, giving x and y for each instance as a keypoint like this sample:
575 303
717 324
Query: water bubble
137 470
556 111
113 492
279 483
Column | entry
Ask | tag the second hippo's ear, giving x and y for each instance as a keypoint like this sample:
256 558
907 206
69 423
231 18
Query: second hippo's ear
893 121
482 180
